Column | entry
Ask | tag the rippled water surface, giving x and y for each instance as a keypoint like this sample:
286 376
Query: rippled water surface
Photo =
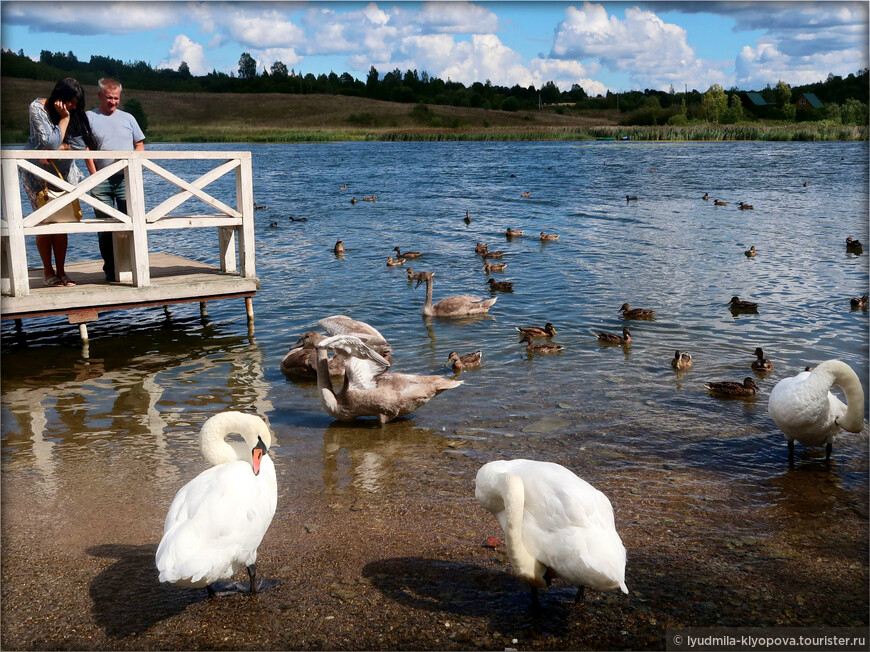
149 381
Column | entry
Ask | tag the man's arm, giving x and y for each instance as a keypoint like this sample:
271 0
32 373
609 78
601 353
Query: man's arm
139 146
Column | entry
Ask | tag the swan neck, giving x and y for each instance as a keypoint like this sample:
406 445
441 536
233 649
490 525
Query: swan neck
525 565
212 438
428 303
844 377
324 382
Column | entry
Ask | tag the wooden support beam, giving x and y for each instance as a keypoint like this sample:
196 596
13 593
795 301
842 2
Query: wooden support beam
82 316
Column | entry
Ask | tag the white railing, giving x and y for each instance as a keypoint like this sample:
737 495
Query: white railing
130 232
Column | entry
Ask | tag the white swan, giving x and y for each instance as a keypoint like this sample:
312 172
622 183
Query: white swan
367 390
555 524
217 520
805 410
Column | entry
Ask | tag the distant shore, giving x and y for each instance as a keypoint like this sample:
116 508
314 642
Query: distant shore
615 133
282 118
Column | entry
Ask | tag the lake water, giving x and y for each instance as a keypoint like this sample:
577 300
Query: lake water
149 381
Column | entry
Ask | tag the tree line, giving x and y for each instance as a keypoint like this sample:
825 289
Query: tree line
844 98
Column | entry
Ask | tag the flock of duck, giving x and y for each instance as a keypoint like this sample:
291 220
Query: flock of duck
555 524
468 305
718 202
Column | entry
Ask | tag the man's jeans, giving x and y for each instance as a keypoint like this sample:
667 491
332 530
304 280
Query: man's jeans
113 192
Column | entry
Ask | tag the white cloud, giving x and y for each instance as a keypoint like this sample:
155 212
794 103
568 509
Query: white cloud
365 33
265 58
88 18
183 49
431 50
654 53
456 40
766 64
375 15
252 25
486 57
476 59
802 41
455 18
565 74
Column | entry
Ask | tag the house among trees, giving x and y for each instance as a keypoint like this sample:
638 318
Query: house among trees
808 101
755 100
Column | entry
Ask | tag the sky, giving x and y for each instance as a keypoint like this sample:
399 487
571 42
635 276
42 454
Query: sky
601 46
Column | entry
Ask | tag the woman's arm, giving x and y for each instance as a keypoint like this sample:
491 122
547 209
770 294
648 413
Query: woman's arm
47 135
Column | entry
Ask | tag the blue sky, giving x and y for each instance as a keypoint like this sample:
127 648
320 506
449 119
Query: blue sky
599 45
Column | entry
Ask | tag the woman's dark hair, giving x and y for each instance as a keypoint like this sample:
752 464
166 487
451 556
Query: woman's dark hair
66 90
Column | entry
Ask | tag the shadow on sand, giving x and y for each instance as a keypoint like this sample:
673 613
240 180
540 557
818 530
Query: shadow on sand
471 590
127 596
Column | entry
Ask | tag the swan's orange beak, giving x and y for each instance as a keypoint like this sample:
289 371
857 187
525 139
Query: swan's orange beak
257 455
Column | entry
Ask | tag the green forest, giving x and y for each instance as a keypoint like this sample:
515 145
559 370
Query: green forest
844 99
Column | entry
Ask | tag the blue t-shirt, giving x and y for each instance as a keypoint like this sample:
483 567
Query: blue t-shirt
119 132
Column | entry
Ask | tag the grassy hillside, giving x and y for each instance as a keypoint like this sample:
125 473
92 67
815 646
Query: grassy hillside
222 117
277 117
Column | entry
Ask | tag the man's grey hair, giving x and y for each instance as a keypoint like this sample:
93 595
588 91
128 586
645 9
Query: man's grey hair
108 82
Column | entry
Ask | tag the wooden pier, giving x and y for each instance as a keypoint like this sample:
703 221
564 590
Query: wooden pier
143 278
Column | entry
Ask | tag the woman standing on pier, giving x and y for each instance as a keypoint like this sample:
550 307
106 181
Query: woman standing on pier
59 123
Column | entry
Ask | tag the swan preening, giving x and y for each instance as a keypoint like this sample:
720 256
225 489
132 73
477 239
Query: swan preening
805 410
301 359
555 524
367 389
344 325
217 520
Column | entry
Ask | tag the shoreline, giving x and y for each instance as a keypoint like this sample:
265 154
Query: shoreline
693 133
403 565
701 133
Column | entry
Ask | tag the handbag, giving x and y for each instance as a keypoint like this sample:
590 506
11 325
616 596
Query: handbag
72 212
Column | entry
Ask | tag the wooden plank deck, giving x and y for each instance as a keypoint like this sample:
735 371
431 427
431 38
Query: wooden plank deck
174 279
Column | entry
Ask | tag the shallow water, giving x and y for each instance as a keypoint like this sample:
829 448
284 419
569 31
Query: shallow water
148 381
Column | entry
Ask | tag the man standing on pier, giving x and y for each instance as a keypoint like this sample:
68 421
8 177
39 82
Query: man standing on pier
118 131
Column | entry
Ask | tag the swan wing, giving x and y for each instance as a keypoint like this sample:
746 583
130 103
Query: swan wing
362 363
569 526
415 387
393 395
804 409
344 325
299 360
461 302
216 523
